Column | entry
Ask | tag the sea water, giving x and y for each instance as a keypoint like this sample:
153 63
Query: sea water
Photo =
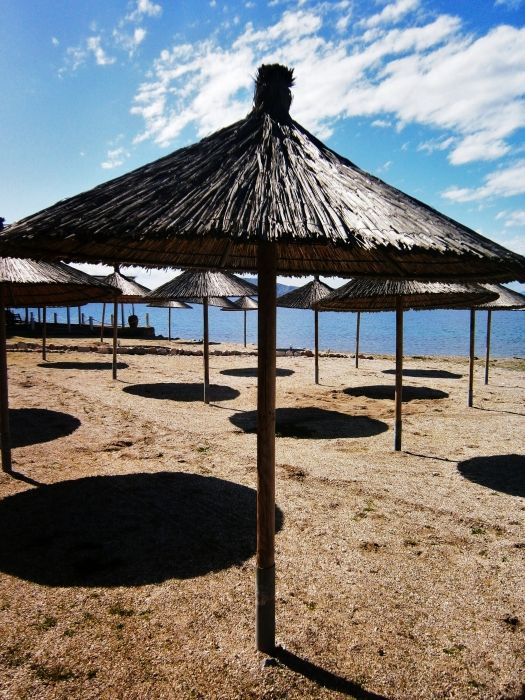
440 332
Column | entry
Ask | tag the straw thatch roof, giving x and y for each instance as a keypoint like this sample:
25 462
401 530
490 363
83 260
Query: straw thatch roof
305 297
243 304
381 295
507 301
194 285
170 304
130 291
264 178
31 283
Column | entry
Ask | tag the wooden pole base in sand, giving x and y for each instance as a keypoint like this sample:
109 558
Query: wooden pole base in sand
115 340
206 352
5 436
316 344
471 358
357 329
399 373
487 355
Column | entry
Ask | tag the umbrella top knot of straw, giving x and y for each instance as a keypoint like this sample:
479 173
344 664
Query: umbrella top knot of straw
272 91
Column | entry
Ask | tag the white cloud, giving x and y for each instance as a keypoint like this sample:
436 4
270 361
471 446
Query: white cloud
471 89
93 44
144 8
506 182
114 158
512 218
391 13
54 41
511 4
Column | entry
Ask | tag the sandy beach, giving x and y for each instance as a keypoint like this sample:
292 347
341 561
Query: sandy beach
128 534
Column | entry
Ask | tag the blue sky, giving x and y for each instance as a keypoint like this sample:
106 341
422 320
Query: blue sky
427 94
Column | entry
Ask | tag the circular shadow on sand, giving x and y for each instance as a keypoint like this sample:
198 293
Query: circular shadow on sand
504 473
83 365
252 372
313 422
426 373
182 392
128 530
387 391
30 426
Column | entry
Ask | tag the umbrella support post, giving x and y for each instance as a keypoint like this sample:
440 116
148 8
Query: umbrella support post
245 314
357 329
487 355
44 334
316 344
68 312
399 373
123 323
206 352
115 339
5 439
102 323
265 578
169 323
471 358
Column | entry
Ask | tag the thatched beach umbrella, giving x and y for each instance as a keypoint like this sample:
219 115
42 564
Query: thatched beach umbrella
170 304
242 304
205 287
306 297
508 300
262 195
30 283
131 292
388 295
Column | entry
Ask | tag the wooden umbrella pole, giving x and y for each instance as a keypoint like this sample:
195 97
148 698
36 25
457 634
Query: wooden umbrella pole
206 351
245 327
79 316
265 580
169 322
5 439
44 333
102 323
357 329
471 358
399 372
487 355
68 314
115 338
123 323
316 345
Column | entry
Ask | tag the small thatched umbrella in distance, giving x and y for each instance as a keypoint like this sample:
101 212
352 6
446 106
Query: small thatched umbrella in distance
388 295
131 292
170 304
508 300
242 304
306 297
30 283
203 285
262 195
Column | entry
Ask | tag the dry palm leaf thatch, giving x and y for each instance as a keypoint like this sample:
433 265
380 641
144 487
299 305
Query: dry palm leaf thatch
198 284
382 295
223 302
305 297
170 304
507 300
31 283
241 304
264 178
131 291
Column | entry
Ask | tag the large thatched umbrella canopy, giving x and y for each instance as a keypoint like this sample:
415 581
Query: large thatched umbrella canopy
131 292
398 295
508 300
262 194
31 283
306 297
243 304
202 286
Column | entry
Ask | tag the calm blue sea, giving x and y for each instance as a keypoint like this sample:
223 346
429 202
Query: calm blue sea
440 332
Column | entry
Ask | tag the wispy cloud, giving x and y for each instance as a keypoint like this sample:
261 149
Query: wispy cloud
144 8
512 218
395 74
511 4
93 44
115 157
506 182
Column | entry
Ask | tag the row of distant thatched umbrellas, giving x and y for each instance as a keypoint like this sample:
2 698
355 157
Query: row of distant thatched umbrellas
262 195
